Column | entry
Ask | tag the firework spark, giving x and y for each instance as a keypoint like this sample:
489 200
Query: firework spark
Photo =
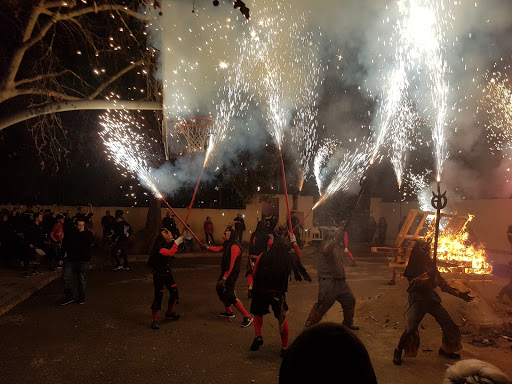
124 139
323 154
497 103
285 69
352 167
420 36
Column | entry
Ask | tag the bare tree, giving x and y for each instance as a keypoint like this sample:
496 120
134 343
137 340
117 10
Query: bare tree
71 54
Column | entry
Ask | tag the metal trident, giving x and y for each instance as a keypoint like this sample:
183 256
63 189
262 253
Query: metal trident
438 202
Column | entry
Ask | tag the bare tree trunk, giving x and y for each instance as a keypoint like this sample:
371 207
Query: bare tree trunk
144 240
154 218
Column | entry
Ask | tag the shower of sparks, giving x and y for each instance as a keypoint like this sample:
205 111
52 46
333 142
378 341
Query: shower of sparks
417 184
403 128
352 166
235 97
419 39
227 63
284 68
323 154
124 139
196 56
497 103
305 137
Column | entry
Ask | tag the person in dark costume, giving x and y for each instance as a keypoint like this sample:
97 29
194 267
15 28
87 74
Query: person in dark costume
165 248
423 278
260 242
507 289
230 269
332 283
271 274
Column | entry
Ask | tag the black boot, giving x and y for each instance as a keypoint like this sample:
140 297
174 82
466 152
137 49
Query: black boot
449 355
397 357
348 319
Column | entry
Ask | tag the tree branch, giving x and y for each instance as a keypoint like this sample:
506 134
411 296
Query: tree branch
29 40
80 104
40 77
114 78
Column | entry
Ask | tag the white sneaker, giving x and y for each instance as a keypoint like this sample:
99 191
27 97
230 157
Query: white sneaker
118 268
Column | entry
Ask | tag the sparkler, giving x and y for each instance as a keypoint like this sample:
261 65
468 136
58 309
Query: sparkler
420 41
125 143
301 180
352 167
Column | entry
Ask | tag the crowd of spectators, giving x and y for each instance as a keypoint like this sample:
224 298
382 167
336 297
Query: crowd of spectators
35 236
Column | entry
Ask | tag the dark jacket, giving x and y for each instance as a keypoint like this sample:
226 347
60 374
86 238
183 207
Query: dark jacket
274 267
120 231
259 240
107 222
159 262
78 245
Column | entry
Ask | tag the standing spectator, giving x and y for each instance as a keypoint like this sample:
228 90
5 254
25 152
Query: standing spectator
208 230
381 232
35 240
122 231
230 268
68 222
107 223
77 245
15 219
372 227
80 215
169 223
88 217
7 238
239 227
56 237
85 216
165 248
188 241
271 223
48 221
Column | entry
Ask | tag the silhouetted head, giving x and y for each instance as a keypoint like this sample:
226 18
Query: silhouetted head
327 353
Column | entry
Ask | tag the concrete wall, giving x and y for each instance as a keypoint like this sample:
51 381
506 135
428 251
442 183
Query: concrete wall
490 224
136 216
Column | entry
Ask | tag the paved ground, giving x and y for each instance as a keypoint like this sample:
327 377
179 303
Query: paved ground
108 339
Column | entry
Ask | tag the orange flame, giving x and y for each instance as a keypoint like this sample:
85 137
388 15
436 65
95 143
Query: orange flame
462 256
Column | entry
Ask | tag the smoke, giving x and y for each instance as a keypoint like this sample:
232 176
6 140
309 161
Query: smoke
352 39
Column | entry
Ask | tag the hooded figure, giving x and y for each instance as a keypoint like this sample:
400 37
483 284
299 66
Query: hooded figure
423 277
272 272
332 282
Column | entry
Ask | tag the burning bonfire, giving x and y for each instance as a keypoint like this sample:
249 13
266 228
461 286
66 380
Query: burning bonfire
455 254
